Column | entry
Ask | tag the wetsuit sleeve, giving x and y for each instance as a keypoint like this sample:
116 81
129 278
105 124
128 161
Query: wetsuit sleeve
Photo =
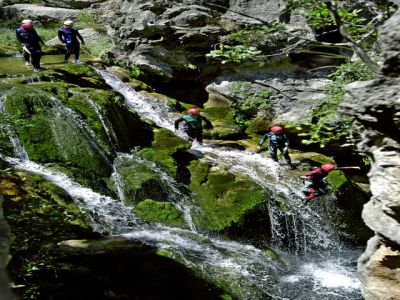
39 38
80 37
178 121
312 173
19 37
286 140
265 137
208 123
61 37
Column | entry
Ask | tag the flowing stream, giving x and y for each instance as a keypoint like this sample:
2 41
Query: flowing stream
316 265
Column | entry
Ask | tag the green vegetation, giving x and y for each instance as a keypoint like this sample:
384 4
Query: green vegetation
40 214
327 124
89 20
163 148
351 14
139 181
249 101
223 197
163 212
234 54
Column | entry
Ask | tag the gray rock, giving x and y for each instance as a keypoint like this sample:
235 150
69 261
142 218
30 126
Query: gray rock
292 98
376 105
254 11
11 2
75 4
39 13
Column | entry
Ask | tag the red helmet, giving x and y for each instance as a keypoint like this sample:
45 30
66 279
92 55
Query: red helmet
27 26
328 167
194 111
277 129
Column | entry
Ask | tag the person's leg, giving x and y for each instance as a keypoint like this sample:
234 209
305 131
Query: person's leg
26 57
273 151
35 57
199 137
76 53
191 134
286 155
67 54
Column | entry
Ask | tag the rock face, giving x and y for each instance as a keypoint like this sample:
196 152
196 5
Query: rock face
77 4
39 13
376 105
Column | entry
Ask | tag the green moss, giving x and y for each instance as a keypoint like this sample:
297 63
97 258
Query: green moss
163 212
50 134
81 75
139 181
40 214
164 146
336 179
224 124
224 198
138 85
271 253
170 102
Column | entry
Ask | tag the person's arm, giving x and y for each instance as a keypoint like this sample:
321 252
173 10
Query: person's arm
80 37
178 121
19 37
265 137
39 38
314 172
61 37
287 142
208 123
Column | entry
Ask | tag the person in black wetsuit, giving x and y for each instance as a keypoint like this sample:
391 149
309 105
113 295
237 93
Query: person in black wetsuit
30 41
193 124
69 36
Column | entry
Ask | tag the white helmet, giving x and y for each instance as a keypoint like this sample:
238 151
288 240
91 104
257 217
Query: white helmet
69 23
26 21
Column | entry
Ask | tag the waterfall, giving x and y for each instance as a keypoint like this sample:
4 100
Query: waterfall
19 150
251 271
312 239
111 136
323 271
174 194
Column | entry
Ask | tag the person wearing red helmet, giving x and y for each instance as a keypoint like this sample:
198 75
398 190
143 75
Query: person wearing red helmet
30 41
317 186
194 124
277 141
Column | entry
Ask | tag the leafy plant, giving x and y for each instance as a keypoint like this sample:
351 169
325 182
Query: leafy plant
249 102
327 124
234 54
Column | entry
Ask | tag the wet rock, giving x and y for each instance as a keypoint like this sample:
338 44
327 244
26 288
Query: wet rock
375 104
160 212
225 198
164 148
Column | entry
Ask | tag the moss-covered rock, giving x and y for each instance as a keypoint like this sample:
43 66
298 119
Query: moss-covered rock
78 74
162 212
336 179
50 132
139 181
40 214
223 197
172 103
163 148
138 85
224 124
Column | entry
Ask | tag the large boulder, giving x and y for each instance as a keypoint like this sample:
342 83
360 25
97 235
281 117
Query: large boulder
41 14
76 4
376 105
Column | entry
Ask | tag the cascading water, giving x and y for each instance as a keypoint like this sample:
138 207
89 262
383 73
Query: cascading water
311 236
245 271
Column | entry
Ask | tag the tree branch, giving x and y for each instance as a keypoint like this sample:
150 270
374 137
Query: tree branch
356 47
